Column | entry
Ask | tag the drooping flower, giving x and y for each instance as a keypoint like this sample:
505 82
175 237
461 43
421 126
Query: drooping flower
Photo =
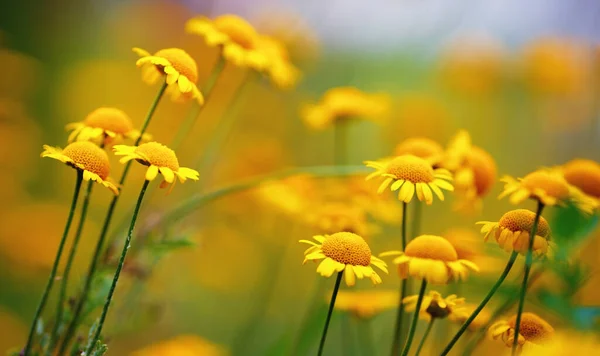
87 157
409 174
347 252
533 329
513 230
102 124
179 68
436 306
432 258
183 345
366 304
159 159
422 147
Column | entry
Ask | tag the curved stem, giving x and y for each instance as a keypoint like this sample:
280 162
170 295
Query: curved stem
413 326
427 331
480 307
330 312
396 342
52 276
528 263
113 286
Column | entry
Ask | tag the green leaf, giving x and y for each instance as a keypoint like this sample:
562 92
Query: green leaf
165 246
100 349
570 227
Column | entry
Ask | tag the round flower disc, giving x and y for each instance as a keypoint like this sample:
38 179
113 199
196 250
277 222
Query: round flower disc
347 248
181 61
238 30
410 168
431 247
158 155
585 175
533 328
109 119
91 157
522 220
551 184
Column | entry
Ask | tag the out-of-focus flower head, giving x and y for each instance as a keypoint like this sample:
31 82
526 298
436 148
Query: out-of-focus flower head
583 174
103 125
345 103
20 75
469 246
533 331
434 306
19 133
291 196
422 147
381 207
480 321
419 114
183 345
365 304
567 343
281 71
332 217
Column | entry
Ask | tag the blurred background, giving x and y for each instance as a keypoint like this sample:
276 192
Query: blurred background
521 78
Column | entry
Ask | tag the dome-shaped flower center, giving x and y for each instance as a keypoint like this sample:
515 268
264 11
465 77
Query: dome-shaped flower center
585 175
552 184
522 220
347 248
419 146
435 310
484 169
410 168
238 30
159 155
109 119
90 156
431 247
181 61
533 328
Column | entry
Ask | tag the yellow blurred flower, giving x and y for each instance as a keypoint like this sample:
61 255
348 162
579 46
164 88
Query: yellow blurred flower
344 252
469 246
419 114
381 207
103 125
291 195
329 218
583 174
422 147
480 321
280 69
20 75
18 132
182 345
365 304
436 306
344 103
533 329
567 343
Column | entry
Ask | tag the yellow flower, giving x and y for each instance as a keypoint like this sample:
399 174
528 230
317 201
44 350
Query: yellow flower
408 174
102 124
432 258
435 306
158 158
469 246
422 147
179 68
366 304
183 345
513 229
280 70
329 218
480 321
235 36
87 157
290 195
347 252
583 174
567 343
343 103
533 329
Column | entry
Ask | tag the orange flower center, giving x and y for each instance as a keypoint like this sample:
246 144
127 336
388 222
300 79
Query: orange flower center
90 156
431 247
522 220
421 147
238 30
410 168
181 61
109 119
158 155
484 169
533 328
552 184
347 248
585 175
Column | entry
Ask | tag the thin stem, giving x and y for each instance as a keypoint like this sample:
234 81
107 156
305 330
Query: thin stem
480 307
528 263
52 276
427 331
113 286
413 326
397 341
331 304
149 116
70 259
416 220
340 147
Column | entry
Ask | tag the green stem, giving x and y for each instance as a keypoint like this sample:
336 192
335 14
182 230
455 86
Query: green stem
330 312
413 326
427 331
52 276
416 220
113 286
528 263
480 307
70 259
397 341
105 227
366 336
340 147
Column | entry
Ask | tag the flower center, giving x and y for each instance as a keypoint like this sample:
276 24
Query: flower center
533 328
421 147
159 155
431 247
90 156
522 220
436 311
484 169
552 184
181 61
347 248
585 175
109 119
238 30
410 168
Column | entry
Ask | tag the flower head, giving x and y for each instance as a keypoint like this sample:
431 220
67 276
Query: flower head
433 259
179 68
87 157
158 158
366 304
422 147
280 69
583 174
533 329
480 321
409 174
344 251
513 230
469 246
102 124
333 217
183 345
436 306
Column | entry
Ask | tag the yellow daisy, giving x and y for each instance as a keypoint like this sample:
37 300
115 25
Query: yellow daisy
532 331
179 68
280 70
432 258
158 158
583 174
409 174
182 345
102 125
480 321
344 251
366 304
87 157
513 230
422 147
436 306
237 39
469 246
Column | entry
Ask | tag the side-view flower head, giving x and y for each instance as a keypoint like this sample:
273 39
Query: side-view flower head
422 147
436 306
533 331
103 125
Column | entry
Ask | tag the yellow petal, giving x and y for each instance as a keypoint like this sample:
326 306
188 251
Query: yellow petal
151 173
